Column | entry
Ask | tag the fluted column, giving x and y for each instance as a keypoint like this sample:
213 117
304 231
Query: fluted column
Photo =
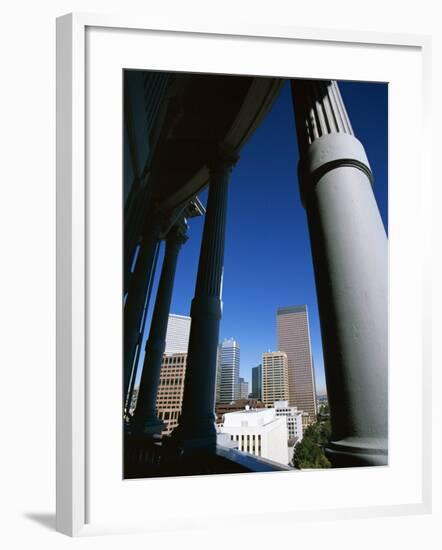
350 256
196 430
137 292
145 420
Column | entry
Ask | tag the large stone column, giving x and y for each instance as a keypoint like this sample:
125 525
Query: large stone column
196 431
133 310
145 420
350 256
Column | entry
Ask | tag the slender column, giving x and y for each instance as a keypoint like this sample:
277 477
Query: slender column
145 420
196 431
135 367
137 292
350 257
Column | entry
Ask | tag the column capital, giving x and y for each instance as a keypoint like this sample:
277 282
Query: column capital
154 221
221 157
319 110
325 136
177 234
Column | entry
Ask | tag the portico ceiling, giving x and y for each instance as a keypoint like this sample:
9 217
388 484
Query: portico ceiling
199 113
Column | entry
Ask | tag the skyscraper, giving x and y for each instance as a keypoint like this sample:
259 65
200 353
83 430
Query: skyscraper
227 373
275 384
177 336
294 339
173 371
243 389
257 382
170 390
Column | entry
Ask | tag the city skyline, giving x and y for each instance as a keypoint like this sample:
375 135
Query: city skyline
177 340
257 237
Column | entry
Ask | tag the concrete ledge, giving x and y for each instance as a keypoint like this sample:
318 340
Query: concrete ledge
251 462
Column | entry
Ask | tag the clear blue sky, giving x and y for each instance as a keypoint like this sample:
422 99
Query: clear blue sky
267 254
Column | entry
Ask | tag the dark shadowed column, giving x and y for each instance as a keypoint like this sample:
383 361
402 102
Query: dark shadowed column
145 420
350 255
135 364
137 292
196 430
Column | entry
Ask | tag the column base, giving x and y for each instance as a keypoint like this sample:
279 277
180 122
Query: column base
195 446
355 451
193 442
148 428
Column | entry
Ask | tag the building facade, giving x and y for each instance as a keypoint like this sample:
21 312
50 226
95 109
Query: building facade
243 389
275 385
294 340
227 374
257 382
170 390
293 418
177 335
258 432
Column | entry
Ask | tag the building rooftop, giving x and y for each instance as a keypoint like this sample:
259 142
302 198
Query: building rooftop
291 309
179 316
255 417
258 410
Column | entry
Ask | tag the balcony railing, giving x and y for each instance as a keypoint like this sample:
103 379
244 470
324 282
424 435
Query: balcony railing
146 458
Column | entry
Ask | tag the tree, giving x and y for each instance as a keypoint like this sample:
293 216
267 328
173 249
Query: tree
325 432
309 453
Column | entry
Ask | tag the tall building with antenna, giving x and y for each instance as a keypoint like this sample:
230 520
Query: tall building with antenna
294 338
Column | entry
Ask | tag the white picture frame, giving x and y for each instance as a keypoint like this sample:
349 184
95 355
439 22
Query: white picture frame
89 51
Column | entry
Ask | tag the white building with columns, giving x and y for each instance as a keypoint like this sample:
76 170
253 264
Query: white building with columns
293 418
258 432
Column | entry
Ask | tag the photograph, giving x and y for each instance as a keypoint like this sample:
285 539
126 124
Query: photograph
255 284
221 274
